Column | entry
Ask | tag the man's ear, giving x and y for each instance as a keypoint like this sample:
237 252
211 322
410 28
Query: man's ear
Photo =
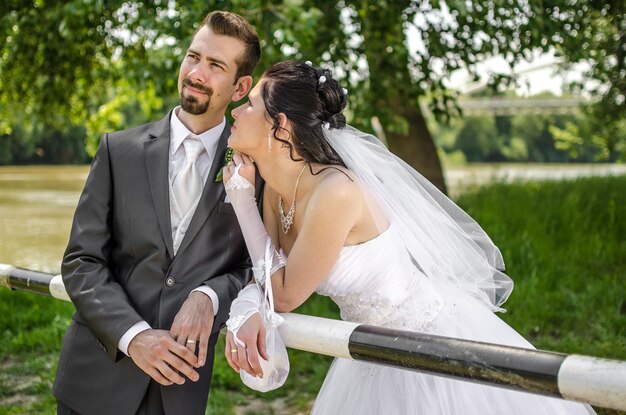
244 84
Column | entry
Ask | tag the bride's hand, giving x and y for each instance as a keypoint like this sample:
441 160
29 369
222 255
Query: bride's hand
247 169
252 333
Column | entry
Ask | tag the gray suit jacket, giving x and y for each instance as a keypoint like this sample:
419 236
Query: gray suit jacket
119 268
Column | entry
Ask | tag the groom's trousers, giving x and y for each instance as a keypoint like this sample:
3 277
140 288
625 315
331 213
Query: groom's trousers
152 403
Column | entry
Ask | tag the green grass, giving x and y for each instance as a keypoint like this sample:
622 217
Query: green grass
31 330
564 244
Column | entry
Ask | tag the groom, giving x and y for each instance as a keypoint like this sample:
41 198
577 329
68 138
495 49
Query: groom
155 255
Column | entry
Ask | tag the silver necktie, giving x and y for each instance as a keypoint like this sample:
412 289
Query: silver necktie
188 184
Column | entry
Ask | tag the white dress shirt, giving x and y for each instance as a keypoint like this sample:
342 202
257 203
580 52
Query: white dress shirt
210 140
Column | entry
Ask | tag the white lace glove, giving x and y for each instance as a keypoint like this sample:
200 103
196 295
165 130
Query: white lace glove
247 303
257 298
241 195
266 260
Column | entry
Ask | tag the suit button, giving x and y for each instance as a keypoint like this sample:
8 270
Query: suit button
170 281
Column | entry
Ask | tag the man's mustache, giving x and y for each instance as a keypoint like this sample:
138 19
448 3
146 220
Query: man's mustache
199 87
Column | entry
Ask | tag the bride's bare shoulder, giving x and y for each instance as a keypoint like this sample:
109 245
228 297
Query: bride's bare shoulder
336 184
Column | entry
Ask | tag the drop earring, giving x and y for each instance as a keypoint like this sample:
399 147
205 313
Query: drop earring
269 141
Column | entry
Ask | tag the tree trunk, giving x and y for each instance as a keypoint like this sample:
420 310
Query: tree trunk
385 46
417 148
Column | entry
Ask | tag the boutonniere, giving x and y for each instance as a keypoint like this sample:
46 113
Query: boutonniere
227 158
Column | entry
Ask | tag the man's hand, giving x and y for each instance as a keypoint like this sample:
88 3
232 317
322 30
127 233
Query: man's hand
193 324
156 353
252 333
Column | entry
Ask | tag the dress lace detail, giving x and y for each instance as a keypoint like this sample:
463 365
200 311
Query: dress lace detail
379 310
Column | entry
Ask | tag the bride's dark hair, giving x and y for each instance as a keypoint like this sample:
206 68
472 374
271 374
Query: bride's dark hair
310 98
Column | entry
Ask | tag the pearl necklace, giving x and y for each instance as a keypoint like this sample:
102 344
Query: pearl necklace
287 220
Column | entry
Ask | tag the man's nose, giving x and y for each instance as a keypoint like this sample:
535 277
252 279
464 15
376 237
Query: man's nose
198 74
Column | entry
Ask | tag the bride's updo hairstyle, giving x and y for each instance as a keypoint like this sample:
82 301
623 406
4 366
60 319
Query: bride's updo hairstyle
312 100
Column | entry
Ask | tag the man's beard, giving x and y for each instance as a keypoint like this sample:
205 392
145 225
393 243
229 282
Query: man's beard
190 104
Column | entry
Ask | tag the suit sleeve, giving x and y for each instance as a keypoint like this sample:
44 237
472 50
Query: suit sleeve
227 287
100 300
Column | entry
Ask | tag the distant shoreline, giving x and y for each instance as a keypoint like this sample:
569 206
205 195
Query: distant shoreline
459 179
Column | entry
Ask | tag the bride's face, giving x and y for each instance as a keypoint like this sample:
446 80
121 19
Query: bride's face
249 132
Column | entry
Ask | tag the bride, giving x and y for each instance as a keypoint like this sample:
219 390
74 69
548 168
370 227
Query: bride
345 218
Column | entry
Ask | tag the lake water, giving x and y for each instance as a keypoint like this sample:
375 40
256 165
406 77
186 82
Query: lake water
36 209
37 202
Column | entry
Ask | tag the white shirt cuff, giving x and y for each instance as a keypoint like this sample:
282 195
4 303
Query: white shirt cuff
130 335
212 295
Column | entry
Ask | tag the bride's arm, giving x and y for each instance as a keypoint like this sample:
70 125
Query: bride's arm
244 353
334 208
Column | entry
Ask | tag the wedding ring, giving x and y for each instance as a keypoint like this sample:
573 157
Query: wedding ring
191 342
233 351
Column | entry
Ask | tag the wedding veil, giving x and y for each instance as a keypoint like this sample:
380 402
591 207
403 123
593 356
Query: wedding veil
444 241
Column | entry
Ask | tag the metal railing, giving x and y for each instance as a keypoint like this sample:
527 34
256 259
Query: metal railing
600 382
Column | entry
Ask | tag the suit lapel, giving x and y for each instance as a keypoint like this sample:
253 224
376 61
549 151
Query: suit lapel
213 192
156 152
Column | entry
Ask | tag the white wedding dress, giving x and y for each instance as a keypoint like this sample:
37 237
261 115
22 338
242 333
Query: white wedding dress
376 283
432 269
